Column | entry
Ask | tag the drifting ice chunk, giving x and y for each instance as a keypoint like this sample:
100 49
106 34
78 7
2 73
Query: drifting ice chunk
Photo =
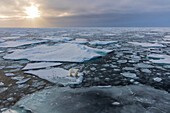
9 74
90 100
102 42
39 65
19 43
129 75
79 41
1 84
157 79
65 52
167 38
23 81
56 75
147 44
59 39
159 59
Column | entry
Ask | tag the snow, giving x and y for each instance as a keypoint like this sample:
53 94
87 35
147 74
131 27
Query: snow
79 41
64 52
30 66
58 39
9 74
147 44
102 42
56 75
1 84
3 90
90 100
19 43
129 75
157 79
8 38
159 58
23 81
167 38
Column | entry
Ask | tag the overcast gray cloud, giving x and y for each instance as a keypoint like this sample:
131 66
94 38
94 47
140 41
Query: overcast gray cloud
83 11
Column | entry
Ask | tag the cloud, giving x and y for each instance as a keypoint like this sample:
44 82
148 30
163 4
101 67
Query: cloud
97 11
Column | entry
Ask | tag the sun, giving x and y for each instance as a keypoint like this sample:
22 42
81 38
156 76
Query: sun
32 12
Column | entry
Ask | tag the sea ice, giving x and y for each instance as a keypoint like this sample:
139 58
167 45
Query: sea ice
55 75
23 81
30 66
102 42
1 84
9 74
129 75
64 52
159 58
90 100
8 38
19 43
59 39
3 89
147 44
79 41
157 79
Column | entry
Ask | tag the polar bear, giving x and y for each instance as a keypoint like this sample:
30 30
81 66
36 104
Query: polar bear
73 72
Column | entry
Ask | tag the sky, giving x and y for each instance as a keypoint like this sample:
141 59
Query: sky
84 13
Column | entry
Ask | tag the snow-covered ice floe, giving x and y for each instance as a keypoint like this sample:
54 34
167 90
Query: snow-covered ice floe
64 52
120 99
159 58
20 43
97 42
30 66
167 38
147 44
58 39
79 41
57 76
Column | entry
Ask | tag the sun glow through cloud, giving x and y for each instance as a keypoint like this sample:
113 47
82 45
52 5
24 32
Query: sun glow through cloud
32 12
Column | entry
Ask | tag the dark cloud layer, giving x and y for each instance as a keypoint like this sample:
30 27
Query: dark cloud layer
64 13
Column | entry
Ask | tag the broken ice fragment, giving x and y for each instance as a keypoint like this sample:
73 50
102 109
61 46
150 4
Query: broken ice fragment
129 75
56 75
19 43
79 41
159 58
157 79
9 74
30 66
102 42
147 44
23 81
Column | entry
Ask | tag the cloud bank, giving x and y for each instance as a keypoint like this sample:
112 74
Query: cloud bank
57 13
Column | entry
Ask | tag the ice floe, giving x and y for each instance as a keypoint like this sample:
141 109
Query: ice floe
3 90
64 52
97 42
129 75
30 66
1 84
9 74
59 39
19 43
56 75
159 58
120 99
147 44
79 41
23 81
157 79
